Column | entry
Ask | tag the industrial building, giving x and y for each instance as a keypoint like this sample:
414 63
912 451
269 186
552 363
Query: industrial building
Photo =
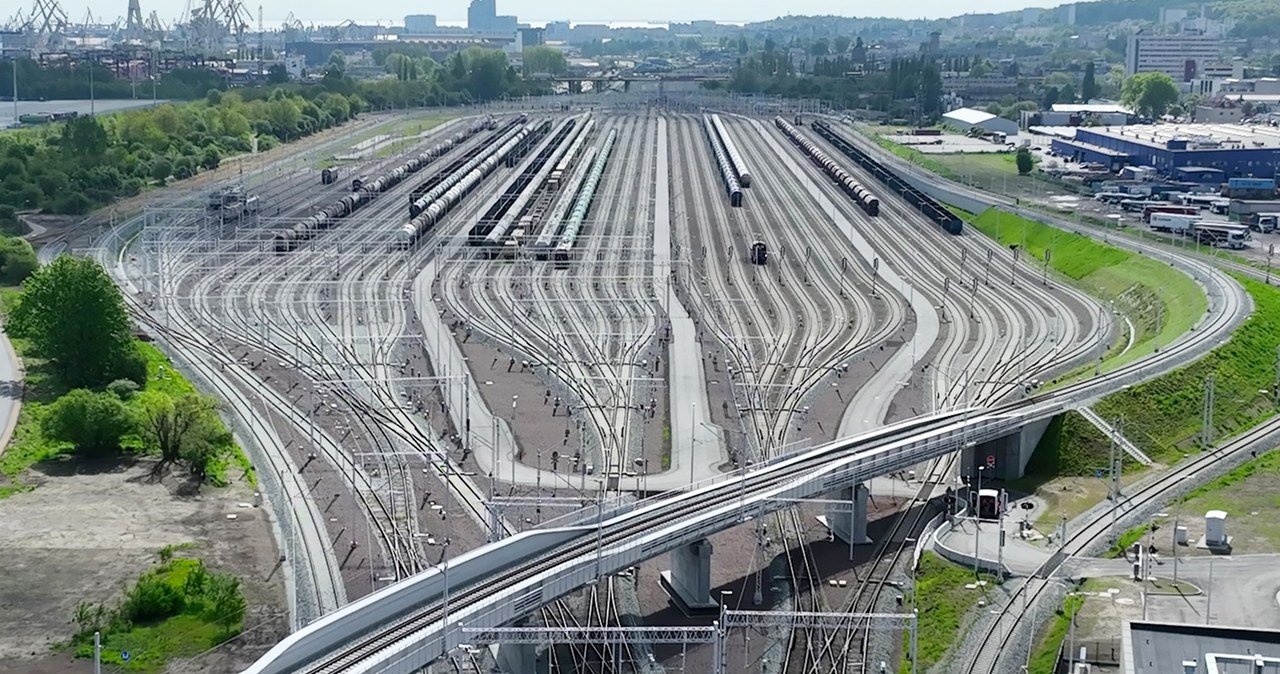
1184 57
1178 648
1237 150
1075 114
968 118
420 24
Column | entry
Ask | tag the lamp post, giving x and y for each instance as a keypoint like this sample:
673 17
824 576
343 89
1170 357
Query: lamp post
977 527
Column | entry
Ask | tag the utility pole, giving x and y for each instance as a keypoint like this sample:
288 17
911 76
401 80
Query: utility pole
1206 434
15 89
1044 280
1114 461
1275 386
1271 249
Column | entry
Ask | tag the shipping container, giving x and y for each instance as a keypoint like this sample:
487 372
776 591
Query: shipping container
1251 183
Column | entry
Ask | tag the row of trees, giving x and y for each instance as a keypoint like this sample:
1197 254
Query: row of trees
909 87
74 318
90 161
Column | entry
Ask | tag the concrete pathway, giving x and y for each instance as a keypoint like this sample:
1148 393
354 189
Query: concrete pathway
11 378
1019 556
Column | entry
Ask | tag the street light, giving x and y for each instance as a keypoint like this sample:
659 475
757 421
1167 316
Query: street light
977 527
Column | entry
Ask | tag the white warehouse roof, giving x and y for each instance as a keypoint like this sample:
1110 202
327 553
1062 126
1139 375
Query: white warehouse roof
969 116
1097 108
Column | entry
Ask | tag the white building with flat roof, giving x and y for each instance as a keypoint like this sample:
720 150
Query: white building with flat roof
968 118
1182 57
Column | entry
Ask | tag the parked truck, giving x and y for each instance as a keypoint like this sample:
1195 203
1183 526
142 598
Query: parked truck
1266 222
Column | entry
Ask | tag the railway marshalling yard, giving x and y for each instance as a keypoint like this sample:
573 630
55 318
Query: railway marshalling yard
581 320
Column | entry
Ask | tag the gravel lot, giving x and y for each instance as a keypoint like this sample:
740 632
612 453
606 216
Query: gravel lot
109 522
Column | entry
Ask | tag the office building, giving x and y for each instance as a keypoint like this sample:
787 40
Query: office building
481 15
1182 57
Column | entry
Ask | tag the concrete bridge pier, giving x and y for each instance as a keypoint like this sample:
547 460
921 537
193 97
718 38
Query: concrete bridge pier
1003 458
690 574
513 658
848 519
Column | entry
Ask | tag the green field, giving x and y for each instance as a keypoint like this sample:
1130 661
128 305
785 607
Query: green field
1161 302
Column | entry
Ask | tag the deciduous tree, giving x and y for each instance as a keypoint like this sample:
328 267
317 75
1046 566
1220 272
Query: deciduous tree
74 316
1149 94
1024 161
183 430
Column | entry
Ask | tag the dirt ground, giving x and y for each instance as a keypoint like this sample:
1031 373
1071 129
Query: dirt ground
109 522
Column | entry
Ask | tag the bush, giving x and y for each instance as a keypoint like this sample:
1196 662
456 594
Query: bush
123 389
152 599
94 423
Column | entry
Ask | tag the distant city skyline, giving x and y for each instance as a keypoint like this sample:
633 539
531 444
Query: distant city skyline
454 12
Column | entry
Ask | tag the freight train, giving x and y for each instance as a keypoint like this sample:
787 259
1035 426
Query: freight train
431 190
363 191
459 185
927 206
493 226
868 202
731 185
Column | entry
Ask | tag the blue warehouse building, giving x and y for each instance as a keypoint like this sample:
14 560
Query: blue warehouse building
1177 150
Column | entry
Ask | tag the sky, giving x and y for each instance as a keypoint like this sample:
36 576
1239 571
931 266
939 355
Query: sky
581 11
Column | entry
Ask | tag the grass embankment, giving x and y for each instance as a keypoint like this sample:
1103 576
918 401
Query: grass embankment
42 388
1163 416
1044 658
943 599
1159 301
176 609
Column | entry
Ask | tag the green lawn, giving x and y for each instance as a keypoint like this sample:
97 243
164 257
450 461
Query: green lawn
943 600
1163 416
1150 294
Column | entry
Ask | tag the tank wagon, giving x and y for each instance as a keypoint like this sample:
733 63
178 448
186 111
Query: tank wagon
363 191
930 208
573 226
492 227
735 157
428 192
731 185
557 218
868 202
511 206
447 194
